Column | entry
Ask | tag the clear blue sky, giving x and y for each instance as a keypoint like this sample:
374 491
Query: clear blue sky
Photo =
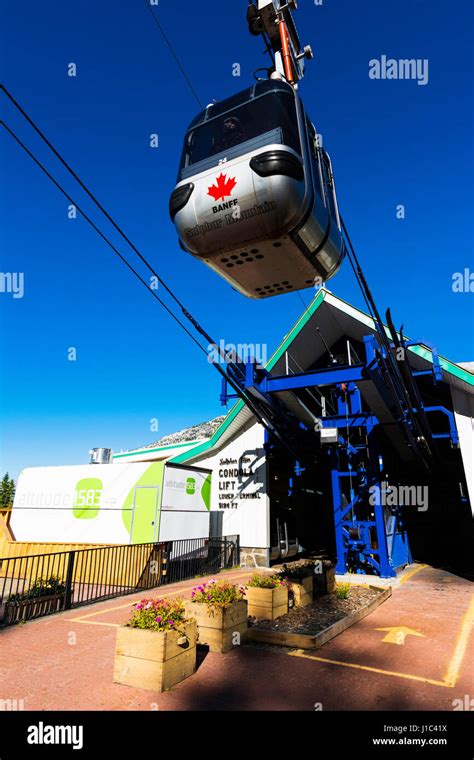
392 142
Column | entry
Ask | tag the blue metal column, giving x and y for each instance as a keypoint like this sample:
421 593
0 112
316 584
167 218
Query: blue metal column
386 567
341 550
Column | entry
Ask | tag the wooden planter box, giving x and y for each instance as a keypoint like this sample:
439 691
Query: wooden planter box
154 660
267 603
302 589
27 609
217 625
325 582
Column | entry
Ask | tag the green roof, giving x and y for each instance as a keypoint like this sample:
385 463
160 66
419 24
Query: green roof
135 452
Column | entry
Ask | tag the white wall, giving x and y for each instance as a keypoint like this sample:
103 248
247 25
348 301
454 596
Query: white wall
249 517
43 508
94 504
464 414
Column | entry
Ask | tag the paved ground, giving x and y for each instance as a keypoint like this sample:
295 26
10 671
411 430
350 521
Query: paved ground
66 661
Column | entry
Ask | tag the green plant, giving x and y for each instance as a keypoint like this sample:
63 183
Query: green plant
217 594
342 590
42 587
261 580
158 615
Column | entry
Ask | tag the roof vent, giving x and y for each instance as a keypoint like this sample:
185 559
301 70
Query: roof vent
100 456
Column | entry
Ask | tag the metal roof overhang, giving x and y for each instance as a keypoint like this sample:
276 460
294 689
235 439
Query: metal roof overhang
302 348
154 453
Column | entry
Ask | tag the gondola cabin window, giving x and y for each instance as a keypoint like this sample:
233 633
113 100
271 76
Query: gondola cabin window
270 117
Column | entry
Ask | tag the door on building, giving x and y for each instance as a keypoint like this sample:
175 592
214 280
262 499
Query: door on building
145 526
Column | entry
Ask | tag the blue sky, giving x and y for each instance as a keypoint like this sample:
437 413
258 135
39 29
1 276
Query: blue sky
391 142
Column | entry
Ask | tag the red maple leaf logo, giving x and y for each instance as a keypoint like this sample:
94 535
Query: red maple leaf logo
222 188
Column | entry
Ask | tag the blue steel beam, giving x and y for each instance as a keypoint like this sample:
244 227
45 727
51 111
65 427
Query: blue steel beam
453 431
352 420
331 376
436 368
386 567
341 545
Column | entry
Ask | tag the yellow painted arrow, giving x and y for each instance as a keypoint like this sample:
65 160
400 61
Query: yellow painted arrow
398 633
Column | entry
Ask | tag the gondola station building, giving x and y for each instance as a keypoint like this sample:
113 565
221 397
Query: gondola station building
350 485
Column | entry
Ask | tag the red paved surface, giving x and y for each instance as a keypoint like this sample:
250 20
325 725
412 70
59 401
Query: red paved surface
65 663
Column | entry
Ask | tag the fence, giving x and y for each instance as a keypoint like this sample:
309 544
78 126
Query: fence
42 584
197 556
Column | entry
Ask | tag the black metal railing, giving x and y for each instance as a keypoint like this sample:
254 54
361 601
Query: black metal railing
41 584
196 557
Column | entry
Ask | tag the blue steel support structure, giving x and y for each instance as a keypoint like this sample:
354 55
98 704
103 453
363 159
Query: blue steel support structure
357 493
369 536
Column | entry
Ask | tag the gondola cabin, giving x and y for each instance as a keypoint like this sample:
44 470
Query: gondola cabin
255 198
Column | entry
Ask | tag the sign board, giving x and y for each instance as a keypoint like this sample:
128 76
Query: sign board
138 502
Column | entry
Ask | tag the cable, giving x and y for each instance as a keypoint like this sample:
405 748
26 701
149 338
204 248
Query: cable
188 81
320 404
307 308
91 195
395 378
181 68
401 394
234 371
99 232
262 417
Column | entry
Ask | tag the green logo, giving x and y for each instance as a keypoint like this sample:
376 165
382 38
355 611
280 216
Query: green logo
190 486
206 493
87 498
